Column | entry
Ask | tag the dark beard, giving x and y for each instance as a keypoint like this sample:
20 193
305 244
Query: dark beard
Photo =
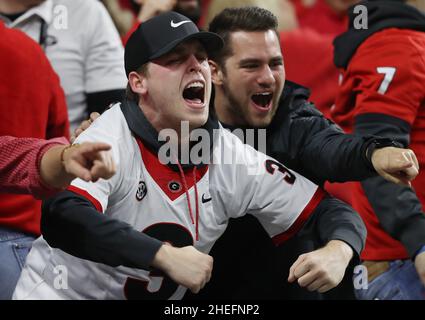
237 109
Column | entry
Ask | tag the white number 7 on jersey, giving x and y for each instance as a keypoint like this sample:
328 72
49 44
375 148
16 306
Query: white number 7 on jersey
389 73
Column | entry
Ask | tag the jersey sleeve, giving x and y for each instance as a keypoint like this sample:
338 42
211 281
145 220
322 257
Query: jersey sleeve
99 193
388 77
281 199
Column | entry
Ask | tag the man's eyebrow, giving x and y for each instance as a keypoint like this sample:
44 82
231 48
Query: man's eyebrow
249 60
277 58
253 60
201 49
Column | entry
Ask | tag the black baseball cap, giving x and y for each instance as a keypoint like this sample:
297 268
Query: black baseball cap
161 34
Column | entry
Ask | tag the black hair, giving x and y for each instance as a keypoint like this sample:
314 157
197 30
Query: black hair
239 19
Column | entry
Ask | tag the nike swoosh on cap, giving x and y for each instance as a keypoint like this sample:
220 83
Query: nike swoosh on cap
178 24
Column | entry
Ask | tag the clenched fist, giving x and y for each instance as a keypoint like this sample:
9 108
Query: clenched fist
322 269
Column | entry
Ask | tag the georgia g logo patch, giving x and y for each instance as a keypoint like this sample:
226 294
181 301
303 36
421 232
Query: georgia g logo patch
174 186
141 191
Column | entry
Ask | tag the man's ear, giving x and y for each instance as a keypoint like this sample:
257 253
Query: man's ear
137 83
216 73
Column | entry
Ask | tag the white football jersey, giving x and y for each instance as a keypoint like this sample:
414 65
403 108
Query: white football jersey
152 198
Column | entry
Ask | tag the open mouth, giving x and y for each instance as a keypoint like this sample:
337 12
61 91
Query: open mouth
194 93
263 100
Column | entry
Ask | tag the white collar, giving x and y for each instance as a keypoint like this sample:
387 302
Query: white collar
43 10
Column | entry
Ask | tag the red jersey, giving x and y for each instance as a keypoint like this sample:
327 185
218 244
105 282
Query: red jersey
386 76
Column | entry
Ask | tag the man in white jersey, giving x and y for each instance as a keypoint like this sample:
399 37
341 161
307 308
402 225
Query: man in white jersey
122 224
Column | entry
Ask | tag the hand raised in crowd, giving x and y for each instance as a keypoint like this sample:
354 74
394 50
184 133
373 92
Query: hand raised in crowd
88 161
396 165
151 8
287 16
186 266
322 269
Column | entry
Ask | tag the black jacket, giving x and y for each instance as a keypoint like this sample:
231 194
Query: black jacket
304 140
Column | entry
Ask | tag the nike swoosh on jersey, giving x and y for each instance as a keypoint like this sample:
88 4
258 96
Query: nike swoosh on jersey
178 24
205 200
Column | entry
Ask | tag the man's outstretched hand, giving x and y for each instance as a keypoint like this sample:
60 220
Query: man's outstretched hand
396 165
89 161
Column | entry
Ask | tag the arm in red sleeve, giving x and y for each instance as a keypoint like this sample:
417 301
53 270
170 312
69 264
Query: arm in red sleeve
389 77
19 165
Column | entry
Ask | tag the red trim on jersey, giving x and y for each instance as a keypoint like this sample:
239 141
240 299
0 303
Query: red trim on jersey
163 175
86 195
302 218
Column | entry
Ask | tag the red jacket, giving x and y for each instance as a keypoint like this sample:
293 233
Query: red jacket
32 104
386 77
20 165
